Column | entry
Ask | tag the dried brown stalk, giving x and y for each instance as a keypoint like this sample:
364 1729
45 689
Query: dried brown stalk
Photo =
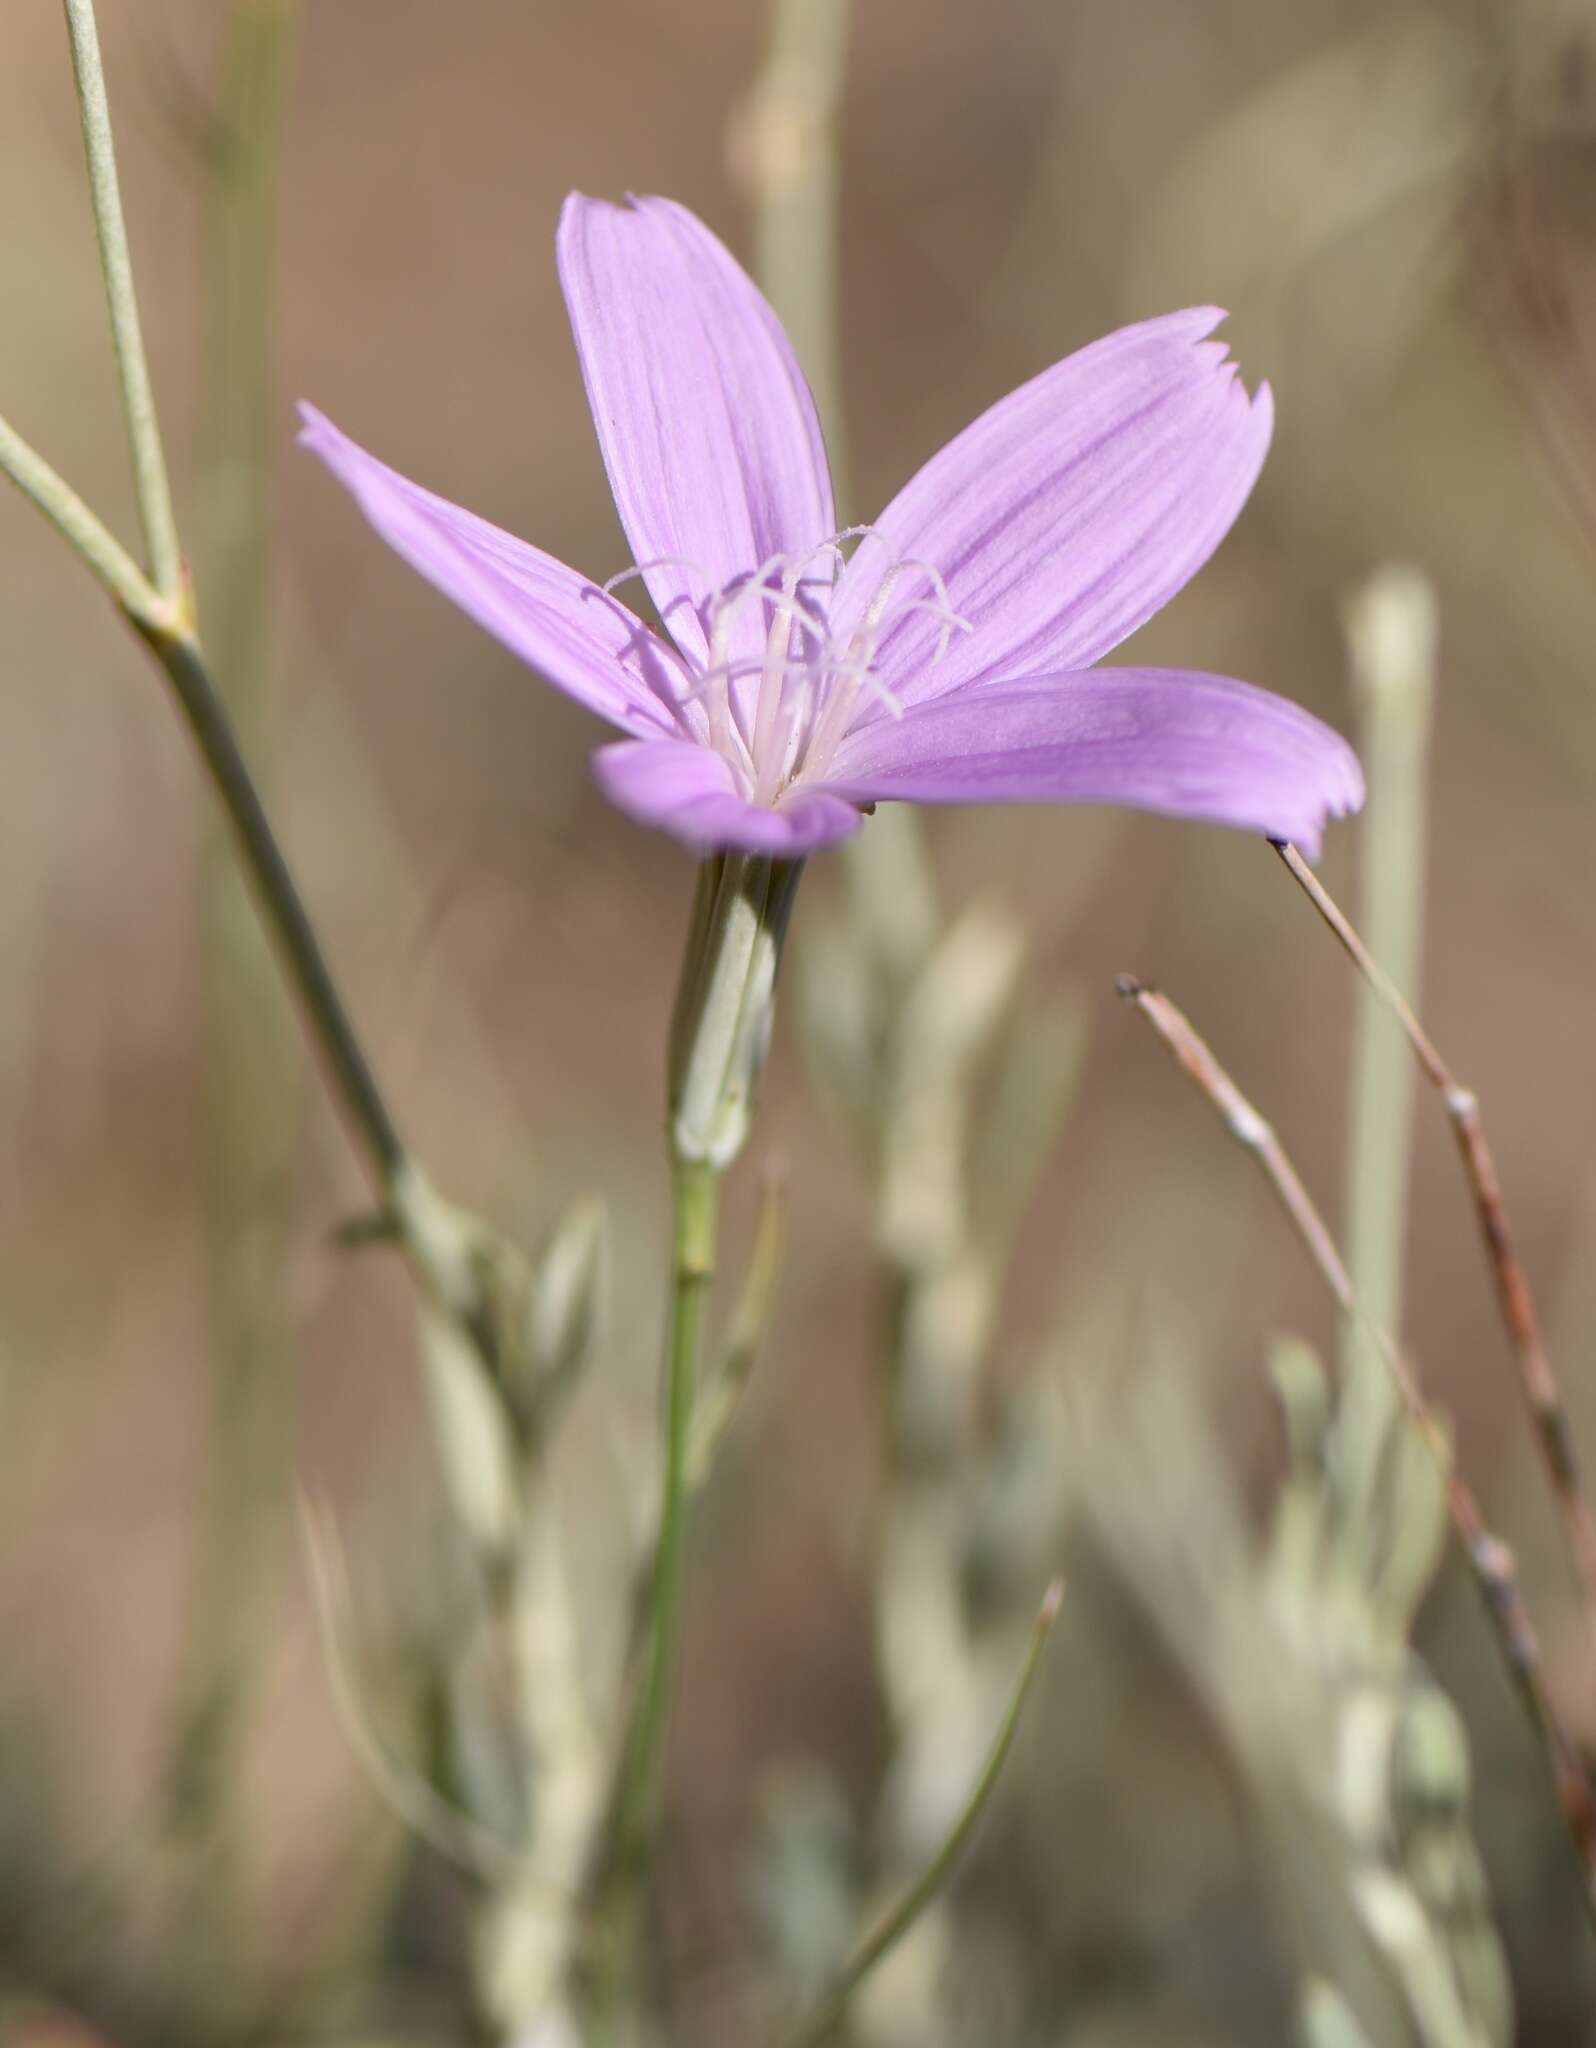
1489 1559
1537 1382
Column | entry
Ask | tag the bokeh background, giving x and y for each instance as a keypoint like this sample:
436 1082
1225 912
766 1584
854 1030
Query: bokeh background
1395 203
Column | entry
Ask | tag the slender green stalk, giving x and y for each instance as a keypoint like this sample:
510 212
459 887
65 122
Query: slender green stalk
78 526
160 612
165 631
696 1188
718 1406
896 1924
720 1031
181 658
697 1201
138 400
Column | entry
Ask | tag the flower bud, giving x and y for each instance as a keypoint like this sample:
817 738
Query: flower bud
720 1031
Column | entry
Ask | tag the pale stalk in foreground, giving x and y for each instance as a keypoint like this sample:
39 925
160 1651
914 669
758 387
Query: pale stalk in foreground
1390 630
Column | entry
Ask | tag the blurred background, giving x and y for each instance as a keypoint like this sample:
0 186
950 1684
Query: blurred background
1398 205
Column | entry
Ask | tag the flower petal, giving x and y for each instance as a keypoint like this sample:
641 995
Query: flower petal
1070 512
584 641
689 791
708 429
1170 740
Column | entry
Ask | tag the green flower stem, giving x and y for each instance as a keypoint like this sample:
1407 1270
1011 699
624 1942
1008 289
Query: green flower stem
623 1866
929 1883
720 1031
697 1203
717 1407
138 400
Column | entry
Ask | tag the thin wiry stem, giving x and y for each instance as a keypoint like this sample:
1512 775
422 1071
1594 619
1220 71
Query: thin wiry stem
138 400
179 654
83 532
161 614
624 1858
718 1406
1537 1381
896 1923
1245 1125
697 1190
1489 1559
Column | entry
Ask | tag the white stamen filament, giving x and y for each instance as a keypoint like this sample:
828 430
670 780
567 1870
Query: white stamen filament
717 681
644 569
773 688
809 684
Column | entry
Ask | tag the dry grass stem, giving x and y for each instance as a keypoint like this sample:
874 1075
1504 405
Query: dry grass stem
1489 1559
1537 1381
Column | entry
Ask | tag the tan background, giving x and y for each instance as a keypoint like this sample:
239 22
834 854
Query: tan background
1395 205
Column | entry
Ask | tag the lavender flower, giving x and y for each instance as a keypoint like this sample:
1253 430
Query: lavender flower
943 654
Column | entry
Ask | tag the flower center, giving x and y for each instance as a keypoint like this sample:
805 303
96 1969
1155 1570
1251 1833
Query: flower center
778 718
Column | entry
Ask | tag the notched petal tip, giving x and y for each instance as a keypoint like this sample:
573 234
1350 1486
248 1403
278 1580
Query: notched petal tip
1215 359
1194 323
315 429
1341 795
1070 511
577 203
1261 417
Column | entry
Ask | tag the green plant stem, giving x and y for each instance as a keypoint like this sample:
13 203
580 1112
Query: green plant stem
719 1034
183 662
696 1189
697 1200
138 400
164 628
160 612
717 1407
896 1923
